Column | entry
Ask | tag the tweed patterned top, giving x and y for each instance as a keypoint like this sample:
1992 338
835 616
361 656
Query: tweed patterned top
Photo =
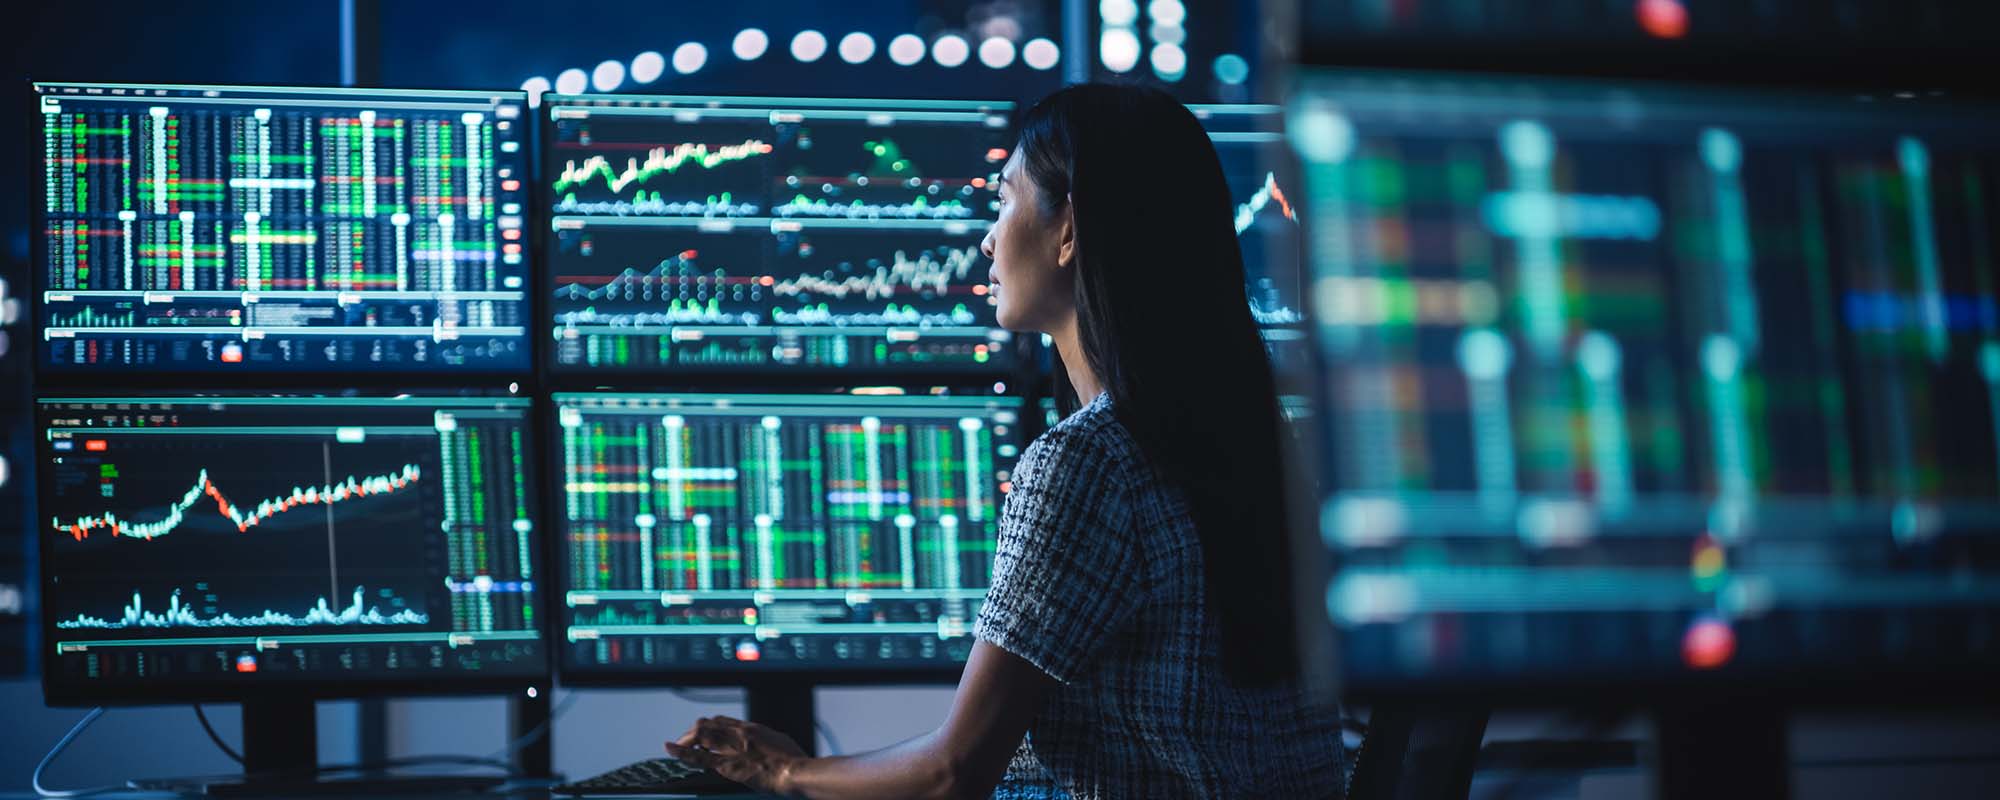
1097 580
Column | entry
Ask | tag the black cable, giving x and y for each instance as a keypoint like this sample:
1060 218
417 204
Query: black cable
506 769
216 737
61 744
495 761
539 731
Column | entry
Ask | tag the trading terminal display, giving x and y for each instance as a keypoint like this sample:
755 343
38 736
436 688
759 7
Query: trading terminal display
747 233
189 228
218 541
1535 22
1625 383
778 532
1263 183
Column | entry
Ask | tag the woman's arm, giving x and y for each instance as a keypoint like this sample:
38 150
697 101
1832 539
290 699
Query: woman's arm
998 696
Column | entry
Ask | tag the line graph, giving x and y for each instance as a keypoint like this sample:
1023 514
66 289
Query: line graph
631 284
827 239
348 489
658 160
645 204
891 315
920 208
177 615
678 312
1246 213
926 271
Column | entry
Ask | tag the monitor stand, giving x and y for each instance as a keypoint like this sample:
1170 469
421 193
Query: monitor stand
784 706
281 757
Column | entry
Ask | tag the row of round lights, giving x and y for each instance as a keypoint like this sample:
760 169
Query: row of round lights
1169 56
808 46
1119 48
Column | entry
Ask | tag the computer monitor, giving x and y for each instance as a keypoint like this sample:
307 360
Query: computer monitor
719 235
1638 385
742 534
1263 181
776 540
272 548
1928 43
246 229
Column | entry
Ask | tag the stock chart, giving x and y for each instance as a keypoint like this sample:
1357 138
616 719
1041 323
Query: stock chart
778 531
252 229
1649 382
1457 22
729 234
198 538
1259 167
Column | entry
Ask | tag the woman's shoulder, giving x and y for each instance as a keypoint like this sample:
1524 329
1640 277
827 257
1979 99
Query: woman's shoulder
1090 442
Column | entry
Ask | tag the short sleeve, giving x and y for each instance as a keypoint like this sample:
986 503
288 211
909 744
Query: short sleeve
1065 571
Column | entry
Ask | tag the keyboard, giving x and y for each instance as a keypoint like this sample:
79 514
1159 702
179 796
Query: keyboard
654 776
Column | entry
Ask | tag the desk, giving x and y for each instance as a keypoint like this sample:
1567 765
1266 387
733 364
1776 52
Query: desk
534 791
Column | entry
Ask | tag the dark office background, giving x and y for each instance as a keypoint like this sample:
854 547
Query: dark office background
503 44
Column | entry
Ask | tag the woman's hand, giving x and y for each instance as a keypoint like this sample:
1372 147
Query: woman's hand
744 752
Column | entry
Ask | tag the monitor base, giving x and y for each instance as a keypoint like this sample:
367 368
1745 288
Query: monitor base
787 707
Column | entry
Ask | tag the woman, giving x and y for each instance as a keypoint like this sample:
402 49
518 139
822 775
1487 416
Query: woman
1137 640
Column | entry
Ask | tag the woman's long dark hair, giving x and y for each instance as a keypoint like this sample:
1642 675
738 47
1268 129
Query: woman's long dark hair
1165 322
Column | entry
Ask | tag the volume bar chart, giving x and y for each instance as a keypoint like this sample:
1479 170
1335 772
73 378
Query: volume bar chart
779 524
177 615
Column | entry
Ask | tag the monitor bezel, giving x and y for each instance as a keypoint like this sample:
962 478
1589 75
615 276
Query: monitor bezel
49 374
584 675
58 692
559 377
1800 682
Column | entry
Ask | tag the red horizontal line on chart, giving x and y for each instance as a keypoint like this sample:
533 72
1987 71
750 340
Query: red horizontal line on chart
332 277
598 280
843 180
704 278
719 554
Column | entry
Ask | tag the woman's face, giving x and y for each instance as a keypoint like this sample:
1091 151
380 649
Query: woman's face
1032 251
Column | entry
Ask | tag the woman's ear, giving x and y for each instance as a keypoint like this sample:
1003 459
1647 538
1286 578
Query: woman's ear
1066 234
